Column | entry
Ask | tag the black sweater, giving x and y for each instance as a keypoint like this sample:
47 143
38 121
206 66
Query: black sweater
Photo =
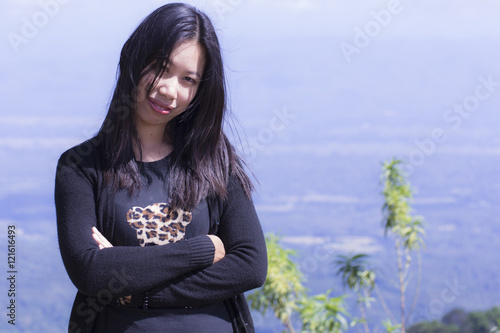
175 275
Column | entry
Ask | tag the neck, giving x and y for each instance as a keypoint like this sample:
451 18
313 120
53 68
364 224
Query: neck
153 145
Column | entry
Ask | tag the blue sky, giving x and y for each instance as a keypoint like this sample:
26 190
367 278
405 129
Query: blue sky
284 57
280 55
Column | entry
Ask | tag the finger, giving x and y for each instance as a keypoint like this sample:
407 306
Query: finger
100 239
106 243
97 232
96 238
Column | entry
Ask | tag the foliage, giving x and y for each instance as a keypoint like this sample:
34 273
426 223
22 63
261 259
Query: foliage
284 294
454 317
323 314
407 230
397 211
354 271
356 275
432 327
284 284
457 321
390 327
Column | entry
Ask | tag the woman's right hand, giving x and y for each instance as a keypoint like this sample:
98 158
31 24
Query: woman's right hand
220 251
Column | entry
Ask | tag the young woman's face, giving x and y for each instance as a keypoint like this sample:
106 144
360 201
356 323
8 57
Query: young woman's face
174 90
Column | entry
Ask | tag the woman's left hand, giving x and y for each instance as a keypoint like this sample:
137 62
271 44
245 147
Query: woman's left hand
100 239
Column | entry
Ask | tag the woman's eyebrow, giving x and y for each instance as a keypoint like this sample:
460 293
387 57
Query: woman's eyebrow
194 73
191 72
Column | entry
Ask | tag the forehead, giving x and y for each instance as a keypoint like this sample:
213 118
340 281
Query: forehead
188 56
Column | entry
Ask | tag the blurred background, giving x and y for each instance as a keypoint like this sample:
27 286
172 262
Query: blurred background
322 92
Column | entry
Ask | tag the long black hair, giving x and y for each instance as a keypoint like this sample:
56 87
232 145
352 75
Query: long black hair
202 159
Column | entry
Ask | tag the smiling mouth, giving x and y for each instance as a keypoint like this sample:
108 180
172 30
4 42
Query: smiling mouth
163 109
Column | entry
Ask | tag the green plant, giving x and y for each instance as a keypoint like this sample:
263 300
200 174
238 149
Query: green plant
359 279
284 284
407 230
390 327
322 313
284 294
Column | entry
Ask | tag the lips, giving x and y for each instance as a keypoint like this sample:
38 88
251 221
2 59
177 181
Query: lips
159 106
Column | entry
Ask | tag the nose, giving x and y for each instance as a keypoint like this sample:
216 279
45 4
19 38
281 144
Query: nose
168 87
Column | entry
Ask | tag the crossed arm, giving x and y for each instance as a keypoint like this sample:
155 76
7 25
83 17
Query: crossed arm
103 243
192 272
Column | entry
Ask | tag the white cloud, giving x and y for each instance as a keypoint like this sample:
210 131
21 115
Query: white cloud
39 143
367 148
26 185
356 244
447 228
5 222
305 240
283 208
334 199
434 201
288 203
417 19
29 121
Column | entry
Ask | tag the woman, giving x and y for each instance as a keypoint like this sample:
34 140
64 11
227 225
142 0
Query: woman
156 226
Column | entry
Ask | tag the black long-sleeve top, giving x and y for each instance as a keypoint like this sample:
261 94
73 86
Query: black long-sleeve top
162 256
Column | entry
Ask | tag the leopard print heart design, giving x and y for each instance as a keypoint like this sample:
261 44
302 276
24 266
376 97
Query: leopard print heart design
158 223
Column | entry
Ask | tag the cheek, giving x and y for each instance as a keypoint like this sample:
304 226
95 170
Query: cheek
141 91
188 95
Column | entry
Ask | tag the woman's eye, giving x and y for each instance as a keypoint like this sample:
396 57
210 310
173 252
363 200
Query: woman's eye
190 79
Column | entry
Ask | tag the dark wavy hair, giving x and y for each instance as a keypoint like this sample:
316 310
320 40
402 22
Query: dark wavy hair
202 159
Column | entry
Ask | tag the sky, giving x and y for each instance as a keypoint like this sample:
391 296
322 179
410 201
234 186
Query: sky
352 82
68 63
